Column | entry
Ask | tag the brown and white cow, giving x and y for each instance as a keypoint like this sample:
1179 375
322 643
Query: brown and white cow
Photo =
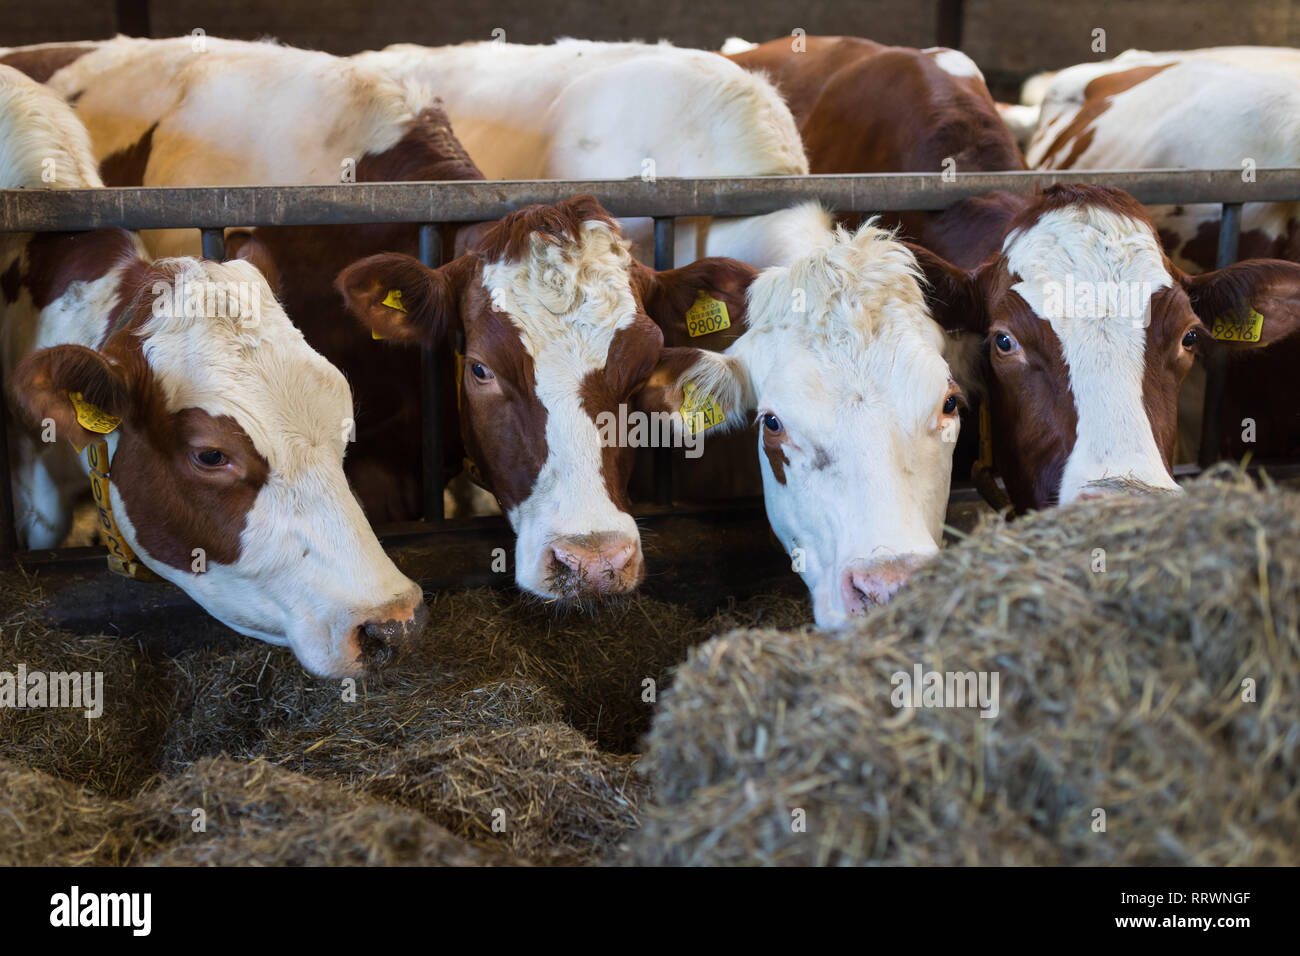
225 432
835 355
1217 108
206 111
1075 400
864 107
1090 330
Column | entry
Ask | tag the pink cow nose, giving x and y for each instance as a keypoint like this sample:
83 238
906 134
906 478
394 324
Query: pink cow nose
869 585
605 562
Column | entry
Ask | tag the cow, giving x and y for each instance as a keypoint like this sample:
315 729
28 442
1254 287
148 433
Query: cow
1090 330
561 111
206 111
214 435
1072 401
855 402
864 107
1224 108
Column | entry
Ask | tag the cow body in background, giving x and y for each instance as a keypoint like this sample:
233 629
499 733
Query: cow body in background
863 107
562 328
224 430
577 109
186 112
1218 108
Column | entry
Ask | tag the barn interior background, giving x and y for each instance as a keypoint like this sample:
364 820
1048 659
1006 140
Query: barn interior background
1009 39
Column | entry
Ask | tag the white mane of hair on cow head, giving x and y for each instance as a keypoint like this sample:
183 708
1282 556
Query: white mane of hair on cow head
1118 261
858 415
226 463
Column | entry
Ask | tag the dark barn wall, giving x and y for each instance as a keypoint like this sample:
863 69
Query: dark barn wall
1007 38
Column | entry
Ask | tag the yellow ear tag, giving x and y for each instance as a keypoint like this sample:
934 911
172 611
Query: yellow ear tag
1244 325
394 301
92 418
706 316
700 412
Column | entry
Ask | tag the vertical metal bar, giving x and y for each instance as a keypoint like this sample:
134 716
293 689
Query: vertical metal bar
1216 369
665 237
431 392
214 244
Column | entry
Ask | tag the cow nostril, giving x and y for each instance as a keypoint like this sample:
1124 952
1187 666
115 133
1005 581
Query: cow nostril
376 645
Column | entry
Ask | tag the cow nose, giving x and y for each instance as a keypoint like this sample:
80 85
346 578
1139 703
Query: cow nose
606 562
869 585
390 627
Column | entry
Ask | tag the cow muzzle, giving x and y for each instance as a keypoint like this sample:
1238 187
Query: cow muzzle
864 586
594 565
387 629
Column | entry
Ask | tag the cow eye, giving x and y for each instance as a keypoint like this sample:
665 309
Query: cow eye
1004 342
210 458
950 405
481 372
1191 338
772 423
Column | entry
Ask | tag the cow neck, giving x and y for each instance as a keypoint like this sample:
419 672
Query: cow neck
121 558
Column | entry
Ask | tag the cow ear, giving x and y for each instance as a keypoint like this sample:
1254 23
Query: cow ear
399 298
1251 303
700 387
952 294
80 391
699 304
246 245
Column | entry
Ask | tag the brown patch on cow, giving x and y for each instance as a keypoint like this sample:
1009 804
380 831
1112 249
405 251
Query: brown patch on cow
1165 365
126 167
41 63
1033 410
10 282
511 238
429 150
774 449
633 356
504 433
55 260
1097 96
174 504
969 232
1202 249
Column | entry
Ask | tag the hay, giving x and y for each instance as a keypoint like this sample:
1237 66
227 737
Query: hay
1120 690
506 735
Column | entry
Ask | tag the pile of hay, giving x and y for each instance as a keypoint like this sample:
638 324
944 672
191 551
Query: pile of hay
506 736
1121 692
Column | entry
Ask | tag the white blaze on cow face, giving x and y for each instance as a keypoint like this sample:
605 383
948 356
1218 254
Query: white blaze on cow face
1091 273
568 300
856 425
310 573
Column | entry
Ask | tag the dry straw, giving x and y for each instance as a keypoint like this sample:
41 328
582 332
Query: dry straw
1123 691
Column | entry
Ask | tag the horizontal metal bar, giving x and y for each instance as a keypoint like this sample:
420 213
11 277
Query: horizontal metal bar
39 210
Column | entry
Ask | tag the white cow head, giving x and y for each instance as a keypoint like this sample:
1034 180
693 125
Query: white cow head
227 465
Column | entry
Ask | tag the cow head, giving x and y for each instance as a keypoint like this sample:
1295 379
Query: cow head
844 369
1089 332
556 340
227 465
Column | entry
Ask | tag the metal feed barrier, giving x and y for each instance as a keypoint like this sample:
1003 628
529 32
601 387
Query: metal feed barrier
213 208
